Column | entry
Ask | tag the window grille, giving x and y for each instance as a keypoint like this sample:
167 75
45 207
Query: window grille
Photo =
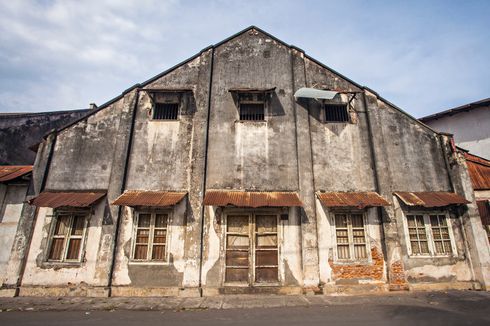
336 113
166 111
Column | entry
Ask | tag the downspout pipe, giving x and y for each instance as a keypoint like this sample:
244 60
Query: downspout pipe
375 168
203 207
445 154
123 187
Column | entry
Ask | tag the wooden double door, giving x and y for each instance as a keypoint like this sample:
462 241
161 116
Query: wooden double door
251 244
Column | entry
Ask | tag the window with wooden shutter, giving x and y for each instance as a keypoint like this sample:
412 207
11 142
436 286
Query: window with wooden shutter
67 236
350 236
150 237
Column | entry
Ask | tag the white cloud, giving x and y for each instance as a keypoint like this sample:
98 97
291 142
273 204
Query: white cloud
65 54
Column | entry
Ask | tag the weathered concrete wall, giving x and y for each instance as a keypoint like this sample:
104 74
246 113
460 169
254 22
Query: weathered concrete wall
139 278
252 155
59 277
470 129
347 164
88 155
19 131
12 198
83 154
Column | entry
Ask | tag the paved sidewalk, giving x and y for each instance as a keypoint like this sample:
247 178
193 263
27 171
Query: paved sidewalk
448 300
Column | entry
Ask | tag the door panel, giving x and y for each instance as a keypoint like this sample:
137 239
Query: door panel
237 248
266 261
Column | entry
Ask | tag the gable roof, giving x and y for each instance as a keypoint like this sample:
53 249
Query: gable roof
214 46
479 170
463 108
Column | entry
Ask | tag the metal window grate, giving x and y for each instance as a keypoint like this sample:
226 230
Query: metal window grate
336 113
166 111
252 111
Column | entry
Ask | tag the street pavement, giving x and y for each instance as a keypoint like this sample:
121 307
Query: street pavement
414 308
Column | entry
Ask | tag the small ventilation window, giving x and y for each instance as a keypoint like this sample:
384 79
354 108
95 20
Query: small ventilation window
250 111
252 106
336 113
166 111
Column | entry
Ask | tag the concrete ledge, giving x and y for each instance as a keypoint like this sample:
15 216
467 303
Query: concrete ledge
469 285
355 289
65 291
231 290
130 291
6 293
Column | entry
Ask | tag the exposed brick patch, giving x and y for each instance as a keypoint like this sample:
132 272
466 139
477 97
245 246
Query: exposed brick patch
397 277
373 271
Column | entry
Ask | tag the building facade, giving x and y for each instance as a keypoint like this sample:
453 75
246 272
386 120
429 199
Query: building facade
469 125
14 184
213 178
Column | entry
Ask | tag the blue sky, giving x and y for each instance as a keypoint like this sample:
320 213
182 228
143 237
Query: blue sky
424 56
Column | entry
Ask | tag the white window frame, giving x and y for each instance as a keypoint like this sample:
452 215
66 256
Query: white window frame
68 235
149 260
428 231
350 235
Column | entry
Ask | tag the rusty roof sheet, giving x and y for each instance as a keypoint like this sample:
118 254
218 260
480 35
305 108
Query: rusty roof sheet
352 199
149 198
431 198
55 199
251 198
479 170
11 172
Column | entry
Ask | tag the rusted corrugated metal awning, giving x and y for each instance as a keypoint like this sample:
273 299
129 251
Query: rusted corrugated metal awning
479 170
251 198
11 172
67 199
149 198
431 198
352 199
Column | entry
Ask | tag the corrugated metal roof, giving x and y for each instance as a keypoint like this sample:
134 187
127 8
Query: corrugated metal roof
462 108
479 170
352 199
149 198
67 199
431 198
11 172
251 198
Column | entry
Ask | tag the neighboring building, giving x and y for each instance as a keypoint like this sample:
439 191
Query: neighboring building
468 123
479 169
20 133
212 177
14 182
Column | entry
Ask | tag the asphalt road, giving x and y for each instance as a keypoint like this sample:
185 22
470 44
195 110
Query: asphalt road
365 314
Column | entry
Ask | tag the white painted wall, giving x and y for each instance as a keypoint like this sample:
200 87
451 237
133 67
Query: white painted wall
471 129
36 274
11 203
